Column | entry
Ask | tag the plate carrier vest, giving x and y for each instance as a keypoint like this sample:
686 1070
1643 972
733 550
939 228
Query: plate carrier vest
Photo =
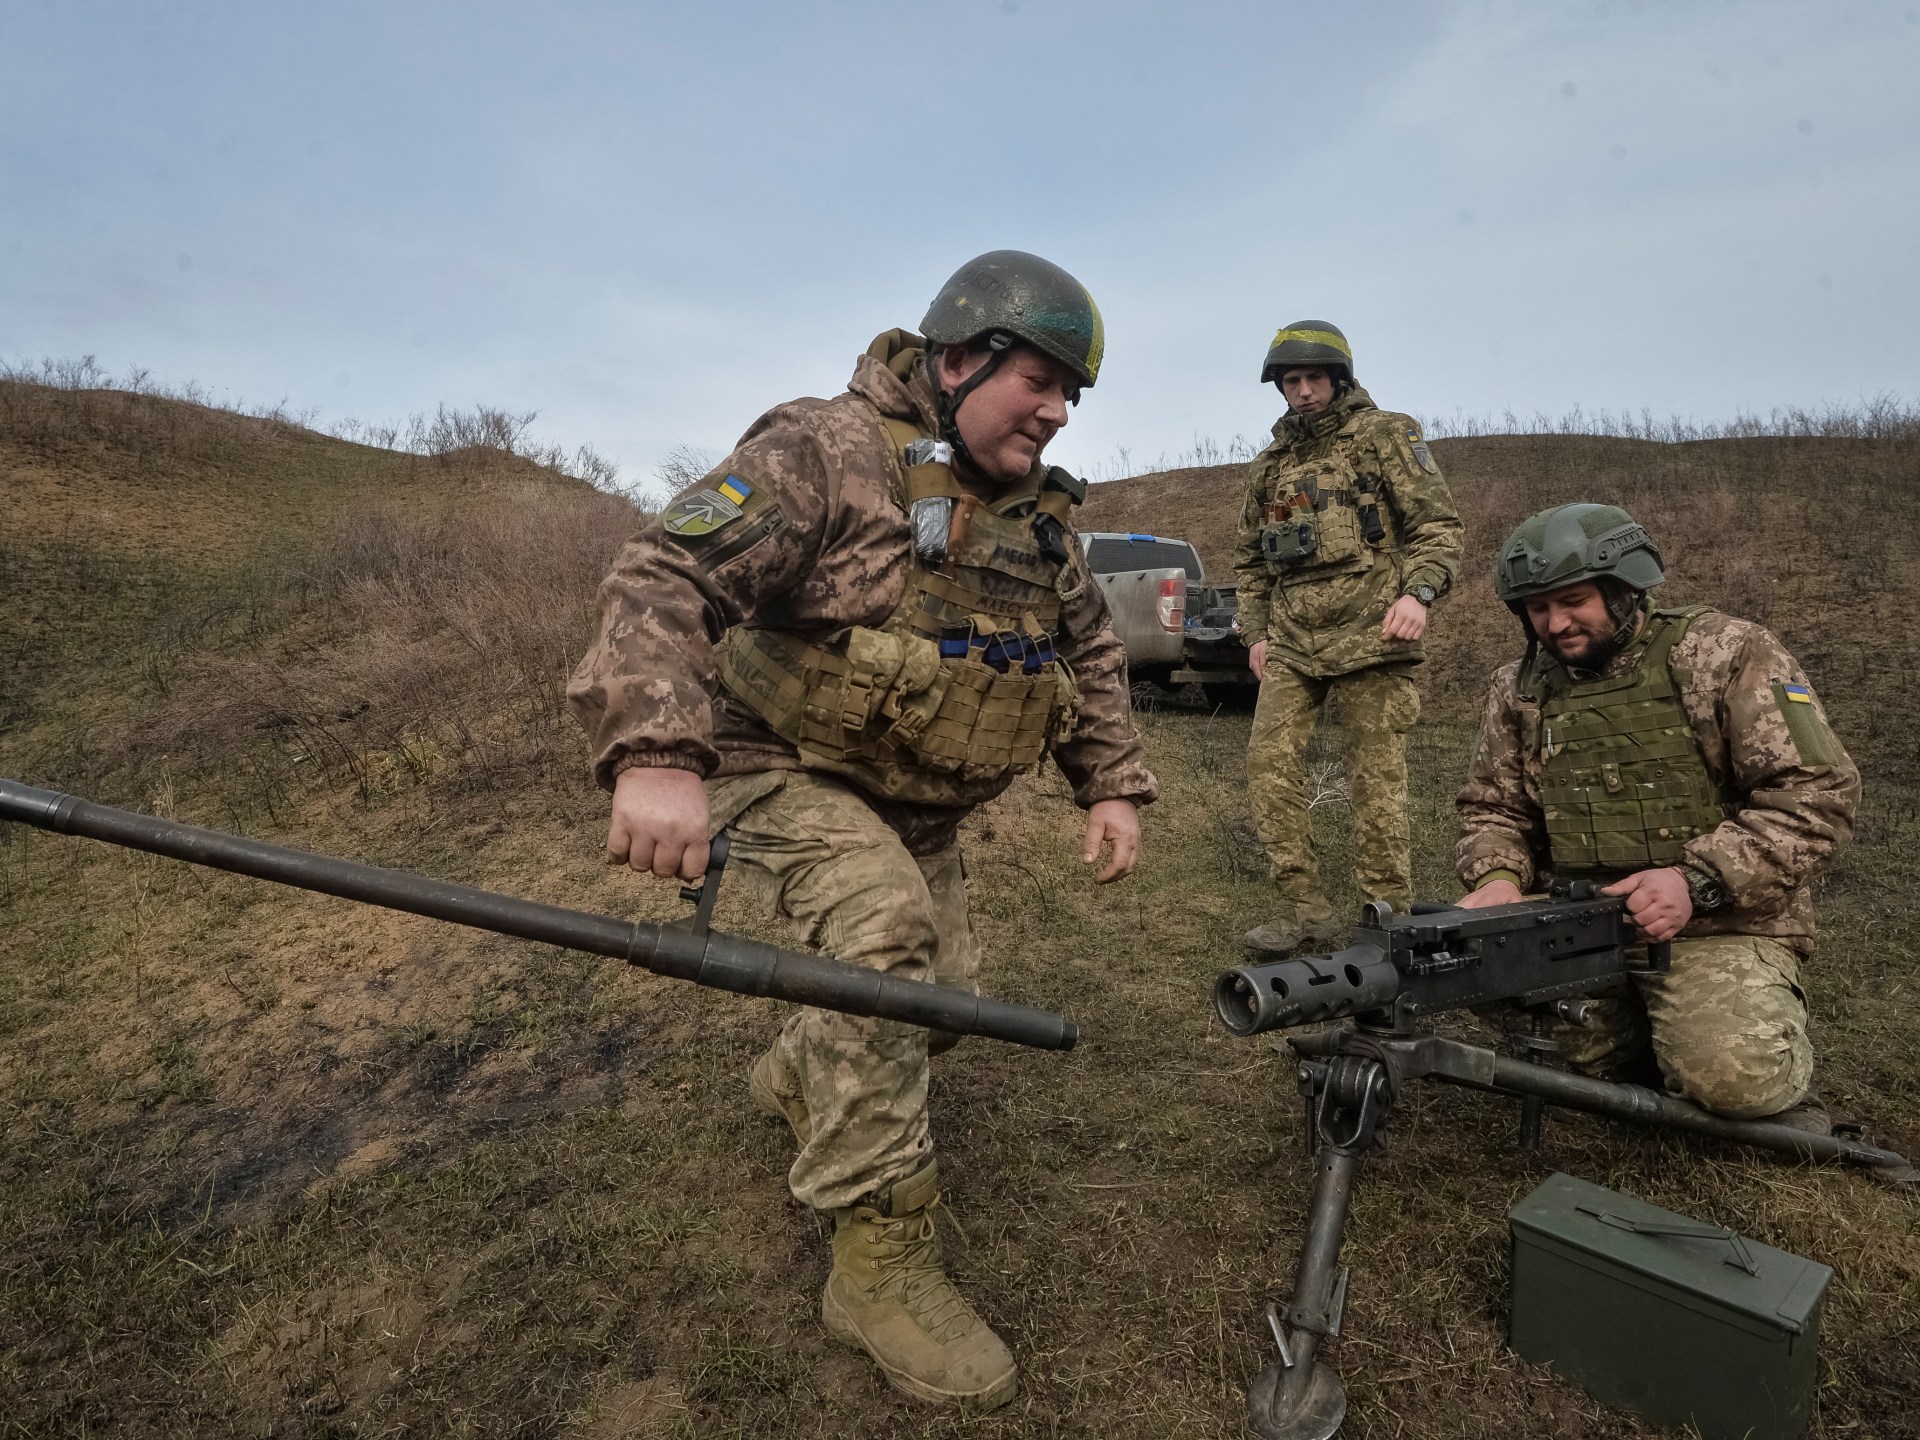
1325 518
961 686
1623 781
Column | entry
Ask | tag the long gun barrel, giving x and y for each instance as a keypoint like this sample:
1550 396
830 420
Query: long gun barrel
1400 967
722 962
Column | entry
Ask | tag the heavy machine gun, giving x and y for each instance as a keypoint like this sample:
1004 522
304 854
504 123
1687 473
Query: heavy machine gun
686 950
1543 955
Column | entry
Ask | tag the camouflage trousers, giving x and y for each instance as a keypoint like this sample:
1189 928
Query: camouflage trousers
1374 708
1727 1024
814 850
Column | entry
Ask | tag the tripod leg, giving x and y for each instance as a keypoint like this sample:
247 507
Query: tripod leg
1298 1397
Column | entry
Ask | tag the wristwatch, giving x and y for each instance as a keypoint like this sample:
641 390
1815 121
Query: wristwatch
1704 890
1425 594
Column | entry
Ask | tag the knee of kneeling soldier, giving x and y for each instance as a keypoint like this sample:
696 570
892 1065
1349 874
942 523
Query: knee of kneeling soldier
1738 1082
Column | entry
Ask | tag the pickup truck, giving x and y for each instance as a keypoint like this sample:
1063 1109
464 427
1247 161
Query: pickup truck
1178 629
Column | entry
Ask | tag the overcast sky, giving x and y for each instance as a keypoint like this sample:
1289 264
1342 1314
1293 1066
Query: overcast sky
650 221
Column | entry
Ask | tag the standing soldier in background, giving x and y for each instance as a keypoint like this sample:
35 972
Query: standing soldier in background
1347 538
864 623
1682 756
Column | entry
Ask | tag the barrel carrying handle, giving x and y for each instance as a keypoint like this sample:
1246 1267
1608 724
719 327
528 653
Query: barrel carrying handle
1740 1259
707 891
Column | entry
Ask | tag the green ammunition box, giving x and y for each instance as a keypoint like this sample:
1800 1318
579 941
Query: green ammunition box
1651 1312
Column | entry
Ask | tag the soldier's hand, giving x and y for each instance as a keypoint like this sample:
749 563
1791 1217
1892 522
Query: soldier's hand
1494 892
1257 657
1406 620
1115 822
659 822
1657 901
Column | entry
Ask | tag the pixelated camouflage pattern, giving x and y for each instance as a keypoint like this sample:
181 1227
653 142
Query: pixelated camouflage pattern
821 544
1374 709
1792 816
814 850
1330 624
1727 1025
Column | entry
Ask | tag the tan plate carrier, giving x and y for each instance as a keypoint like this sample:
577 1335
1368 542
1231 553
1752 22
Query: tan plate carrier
960 685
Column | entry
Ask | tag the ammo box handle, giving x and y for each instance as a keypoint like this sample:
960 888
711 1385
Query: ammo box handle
1741 1259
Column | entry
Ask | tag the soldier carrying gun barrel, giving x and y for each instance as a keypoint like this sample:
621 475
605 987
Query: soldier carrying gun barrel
867 621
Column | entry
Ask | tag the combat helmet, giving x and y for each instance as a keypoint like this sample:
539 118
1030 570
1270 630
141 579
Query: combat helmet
1308 342
1570 543
1009 295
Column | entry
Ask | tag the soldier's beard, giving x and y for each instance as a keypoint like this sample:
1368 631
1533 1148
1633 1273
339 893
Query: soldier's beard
1591 647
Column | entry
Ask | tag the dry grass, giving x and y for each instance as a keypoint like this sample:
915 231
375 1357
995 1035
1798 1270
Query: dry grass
275 1165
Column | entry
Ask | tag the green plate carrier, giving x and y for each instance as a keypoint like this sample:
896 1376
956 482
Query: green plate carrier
1623 782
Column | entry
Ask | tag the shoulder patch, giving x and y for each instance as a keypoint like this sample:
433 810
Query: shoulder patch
708 509
1422 454
1804 723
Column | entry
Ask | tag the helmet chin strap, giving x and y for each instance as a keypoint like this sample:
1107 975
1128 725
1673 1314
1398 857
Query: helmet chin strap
998 344
1624 607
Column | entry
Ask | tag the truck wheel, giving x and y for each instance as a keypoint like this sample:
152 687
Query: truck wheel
1159 676
1231 697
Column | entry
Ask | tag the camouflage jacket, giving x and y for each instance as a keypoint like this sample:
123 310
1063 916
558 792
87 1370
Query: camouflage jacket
1325 619
1791 816
819 544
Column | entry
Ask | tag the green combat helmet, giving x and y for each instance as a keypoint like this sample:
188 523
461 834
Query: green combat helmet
1009 295
1308 342
1571 543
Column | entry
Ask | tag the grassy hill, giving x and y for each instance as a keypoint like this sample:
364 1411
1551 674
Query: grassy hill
277 1165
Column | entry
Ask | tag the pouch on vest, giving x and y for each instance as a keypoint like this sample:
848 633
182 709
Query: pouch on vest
993 722
1317 541
1291 543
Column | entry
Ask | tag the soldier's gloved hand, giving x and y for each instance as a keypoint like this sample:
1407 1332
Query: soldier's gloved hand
1406 620
659 822
1257 657
1494 892
1115 822
1657 901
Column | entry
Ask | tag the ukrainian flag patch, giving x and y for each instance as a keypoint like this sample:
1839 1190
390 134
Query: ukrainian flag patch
735 489
1799 693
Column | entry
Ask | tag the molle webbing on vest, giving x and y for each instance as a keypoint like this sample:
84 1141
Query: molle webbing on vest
1321 516
1623 782
959 686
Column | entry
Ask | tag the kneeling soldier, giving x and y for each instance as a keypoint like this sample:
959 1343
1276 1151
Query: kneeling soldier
1681 756
864 623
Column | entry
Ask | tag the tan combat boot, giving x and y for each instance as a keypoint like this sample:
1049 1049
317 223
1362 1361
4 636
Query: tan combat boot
1308 923
775 1090
888 1295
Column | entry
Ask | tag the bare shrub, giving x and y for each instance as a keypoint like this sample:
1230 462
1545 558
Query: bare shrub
1875 417
436 646
482 427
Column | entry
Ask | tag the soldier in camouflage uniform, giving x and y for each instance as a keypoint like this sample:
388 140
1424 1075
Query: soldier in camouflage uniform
1682 756
864 623
1347 537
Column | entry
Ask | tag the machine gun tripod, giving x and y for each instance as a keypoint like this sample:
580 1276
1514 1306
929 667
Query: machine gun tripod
1540 954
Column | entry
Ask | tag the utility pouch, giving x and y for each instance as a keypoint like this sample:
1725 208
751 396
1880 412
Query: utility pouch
1290 544
991 722
1318 540
1372 529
